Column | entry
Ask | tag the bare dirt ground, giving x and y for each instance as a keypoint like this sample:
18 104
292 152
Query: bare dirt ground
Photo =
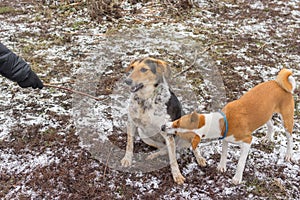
42 152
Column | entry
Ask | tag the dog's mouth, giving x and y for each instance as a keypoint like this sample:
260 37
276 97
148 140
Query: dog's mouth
137 87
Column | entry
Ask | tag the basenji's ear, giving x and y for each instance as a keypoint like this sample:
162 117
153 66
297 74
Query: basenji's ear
195 141
194 117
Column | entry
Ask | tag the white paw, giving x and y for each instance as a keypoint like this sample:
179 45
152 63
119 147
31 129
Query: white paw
266 140
221 168
288 158
201 161
236 180
178 178
126 162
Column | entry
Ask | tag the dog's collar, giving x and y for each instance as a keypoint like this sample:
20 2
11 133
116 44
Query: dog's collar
226 125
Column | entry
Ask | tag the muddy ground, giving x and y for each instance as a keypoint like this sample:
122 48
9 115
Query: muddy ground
46 136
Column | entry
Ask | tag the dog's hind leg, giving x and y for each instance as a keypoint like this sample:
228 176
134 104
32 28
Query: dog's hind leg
200 160
287 115
269 136
288 121
289 150
245 147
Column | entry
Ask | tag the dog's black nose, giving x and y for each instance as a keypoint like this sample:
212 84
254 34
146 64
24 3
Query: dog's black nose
128 81
163 128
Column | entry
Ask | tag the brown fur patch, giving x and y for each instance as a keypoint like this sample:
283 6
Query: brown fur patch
201 121
190 136
186 135
222 126
195 141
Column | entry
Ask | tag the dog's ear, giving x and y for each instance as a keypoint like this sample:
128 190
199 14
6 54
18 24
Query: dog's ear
194 117
163 68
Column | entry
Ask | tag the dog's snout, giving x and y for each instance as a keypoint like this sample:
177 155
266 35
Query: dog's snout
128 81
163 127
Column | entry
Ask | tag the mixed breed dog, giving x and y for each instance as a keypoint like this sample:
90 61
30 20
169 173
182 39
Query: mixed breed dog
156 115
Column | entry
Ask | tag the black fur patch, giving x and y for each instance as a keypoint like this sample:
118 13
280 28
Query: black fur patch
152 64
174 108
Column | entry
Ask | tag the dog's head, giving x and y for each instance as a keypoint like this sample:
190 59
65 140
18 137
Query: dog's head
146 72
184 126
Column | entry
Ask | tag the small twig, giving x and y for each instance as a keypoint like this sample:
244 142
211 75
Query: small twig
61 83
262 46
191 66
106 164
86 34
195 59
72 91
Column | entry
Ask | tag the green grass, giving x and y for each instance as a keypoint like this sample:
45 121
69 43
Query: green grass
5 10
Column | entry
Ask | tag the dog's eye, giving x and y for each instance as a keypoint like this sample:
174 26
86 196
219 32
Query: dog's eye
176 124
144 70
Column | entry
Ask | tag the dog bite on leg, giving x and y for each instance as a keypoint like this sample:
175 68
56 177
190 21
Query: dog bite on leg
242 117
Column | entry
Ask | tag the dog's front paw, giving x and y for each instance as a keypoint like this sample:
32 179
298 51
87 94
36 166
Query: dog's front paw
221 168
288 158
236 180
126 162
201 161
266 140
178 178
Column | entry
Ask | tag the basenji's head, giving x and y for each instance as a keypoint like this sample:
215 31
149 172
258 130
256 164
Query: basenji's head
184 126
146 74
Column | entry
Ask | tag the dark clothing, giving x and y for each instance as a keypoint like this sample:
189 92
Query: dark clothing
16 69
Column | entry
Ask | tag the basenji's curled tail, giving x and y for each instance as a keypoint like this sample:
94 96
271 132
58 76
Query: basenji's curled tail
286 80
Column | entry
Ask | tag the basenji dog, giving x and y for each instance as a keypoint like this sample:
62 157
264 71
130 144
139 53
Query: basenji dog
240 118
152 104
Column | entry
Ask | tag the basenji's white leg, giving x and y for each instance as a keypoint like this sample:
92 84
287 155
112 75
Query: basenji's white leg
289 150
200 160
177 176
269 136
223 161
131 130
237 179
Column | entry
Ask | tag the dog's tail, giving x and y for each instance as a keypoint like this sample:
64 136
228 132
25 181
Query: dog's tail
286 80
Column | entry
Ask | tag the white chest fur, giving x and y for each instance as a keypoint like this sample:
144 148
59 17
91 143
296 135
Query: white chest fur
151 113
